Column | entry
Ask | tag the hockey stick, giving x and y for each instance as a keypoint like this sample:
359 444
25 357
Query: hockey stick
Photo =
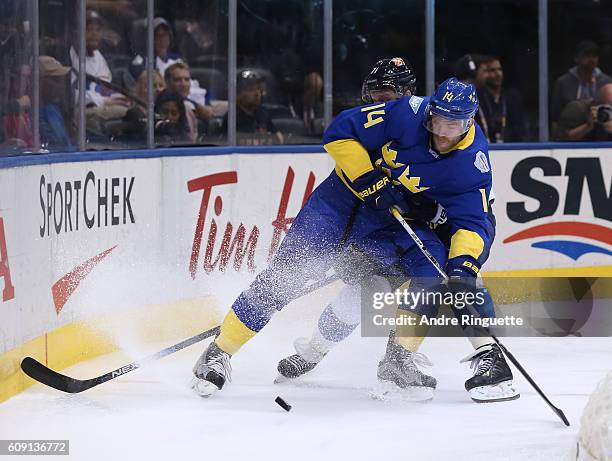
397 215
45 375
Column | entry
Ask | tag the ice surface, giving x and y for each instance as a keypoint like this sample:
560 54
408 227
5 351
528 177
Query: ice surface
150 414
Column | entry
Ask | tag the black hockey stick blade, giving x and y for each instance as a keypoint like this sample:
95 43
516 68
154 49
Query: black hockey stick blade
39 372
45 375
526 375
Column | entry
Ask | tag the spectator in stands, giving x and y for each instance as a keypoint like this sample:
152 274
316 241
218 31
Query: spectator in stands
15 78
313 104
15 124
587 120
163 47
135 121
178 79
251 117
53 129
102 103
472 68
166 57
119 16
171 119
582 81
163 43
501 111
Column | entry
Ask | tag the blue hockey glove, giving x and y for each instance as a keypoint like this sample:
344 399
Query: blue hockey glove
378 192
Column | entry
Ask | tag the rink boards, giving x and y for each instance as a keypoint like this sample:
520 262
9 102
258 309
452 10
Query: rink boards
140 235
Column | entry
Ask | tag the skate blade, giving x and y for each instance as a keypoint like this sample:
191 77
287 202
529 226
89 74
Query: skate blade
203 388
501 392
388 391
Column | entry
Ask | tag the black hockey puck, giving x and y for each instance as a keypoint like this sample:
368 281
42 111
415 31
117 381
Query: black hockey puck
284 405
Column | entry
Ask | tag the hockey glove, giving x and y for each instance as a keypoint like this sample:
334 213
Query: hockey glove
462 272
378 192
425 210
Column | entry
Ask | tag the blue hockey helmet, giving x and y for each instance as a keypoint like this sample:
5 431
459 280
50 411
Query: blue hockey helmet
451 108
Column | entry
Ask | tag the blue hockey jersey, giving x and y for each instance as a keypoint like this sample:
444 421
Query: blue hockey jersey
391 136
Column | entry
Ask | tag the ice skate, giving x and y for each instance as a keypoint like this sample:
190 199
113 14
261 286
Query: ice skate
399 375
211 371
296 365
492 380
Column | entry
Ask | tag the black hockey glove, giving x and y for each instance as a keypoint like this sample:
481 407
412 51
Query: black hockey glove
462 272
378 192
425 210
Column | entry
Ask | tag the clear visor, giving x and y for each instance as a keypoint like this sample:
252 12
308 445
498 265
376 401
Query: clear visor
447 127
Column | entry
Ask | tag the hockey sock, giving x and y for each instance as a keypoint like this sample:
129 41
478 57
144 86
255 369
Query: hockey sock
234 334
406 335
331 330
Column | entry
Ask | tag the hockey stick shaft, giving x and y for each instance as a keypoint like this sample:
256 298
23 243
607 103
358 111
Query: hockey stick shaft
396 213
43 374
529 379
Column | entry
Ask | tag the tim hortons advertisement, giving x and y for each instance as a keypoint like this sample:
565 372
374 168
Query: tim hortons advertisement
231 213
553 209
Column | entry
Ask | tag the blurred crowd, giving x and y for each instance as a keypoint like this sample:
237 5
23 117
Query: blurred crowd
279 81
189 91
580 101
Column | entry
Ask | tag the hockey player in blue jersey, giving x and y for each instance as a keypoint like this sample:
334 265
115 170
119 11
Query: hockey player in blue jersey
443 166
390 79
462 186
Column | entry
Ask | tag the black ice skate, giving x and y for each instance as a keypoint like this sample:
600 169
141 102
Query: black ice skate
211 371
299 364
492 380
399 373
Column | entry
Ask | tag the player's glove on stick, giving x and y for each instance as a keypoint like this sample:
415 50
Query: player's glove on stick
425 210
462 272
378 192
